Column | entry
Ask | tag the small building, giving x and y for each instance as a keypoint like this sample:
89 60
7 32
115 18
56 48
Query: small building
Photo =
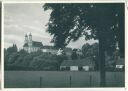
118 59
120 63
49 49
78 65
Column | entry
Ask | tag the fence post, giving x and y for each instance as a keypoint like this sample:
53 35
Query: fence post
70 80
90 79
40 82
115 83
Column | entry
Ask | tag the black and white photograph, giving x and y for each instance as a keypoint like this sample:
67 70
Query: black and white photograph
64 45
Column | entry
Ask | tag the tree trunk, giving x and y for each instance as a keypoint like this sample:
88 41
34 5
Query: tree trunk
102 61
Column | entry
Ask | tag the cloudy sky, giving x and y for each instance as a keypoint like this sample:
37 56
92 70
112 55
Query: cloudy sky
23 18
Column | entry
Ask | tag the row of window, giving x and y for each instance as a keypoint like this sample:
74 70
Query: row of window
76 68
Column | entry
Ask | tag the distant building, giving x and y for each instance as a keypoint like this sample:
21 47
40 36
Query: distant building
78 65
49 49
34 46
120 63
118 60
30 45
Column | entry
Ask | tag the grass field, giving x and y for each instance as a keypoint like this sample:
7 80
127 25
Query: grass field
36 79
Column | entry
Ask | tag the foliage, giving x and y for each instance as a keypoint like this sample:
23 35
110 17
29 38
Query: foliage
71 21
12 49
74 55
91 51
10 54
21 60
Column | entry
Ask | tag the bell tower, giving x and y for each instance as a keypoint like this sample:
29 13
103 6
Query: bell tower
30 43
30 40
117 56
30 37
26 39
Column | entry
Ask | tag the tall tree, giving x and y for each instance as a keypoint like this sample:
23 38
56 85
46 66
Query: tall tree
104 22
91 51
86 49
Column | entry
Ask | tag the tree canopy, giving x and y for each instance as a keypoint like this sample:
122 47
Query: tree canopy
69 22
21 60
104 22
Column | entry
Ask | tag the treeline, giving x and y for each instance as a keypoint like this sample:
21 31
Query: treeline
21 60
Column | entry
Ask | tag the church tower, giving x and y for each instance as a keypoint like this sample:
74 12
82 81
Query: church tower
117 56
30 40
26 39
30 49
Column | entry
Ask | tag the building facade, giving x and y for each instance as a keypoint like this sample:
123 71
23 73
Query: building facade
30 45
77 65
34 46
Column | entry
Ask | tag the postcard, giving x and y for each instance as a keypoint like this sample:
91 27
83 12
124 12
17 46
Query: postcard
64 45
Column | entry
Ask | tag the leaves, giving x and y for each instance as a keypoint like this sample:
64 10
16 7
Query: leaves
69 22
32 61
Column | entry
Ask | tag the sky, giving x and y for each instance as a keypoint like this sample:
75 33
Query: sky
25 18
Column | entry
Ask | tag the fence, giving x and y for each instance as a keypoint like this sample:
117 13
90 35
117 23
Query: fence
36 79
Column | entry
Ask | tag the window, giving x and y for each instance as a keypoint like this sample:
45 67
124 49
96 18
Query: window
74 68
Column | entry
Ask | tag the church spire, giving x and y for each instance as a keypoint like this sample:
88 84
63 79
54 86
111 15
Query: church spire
30 37
26 39
117 46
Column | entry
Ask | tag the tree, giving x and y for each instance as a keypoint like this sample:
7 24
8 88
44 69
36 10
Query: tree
104 22
12 58
6 57
12 49
86 50
91 51
74 55
10 55
45 62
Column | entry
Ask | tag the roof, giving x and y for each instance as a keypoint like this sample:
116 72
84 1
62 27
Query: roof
79 62
120 61
34 44
67 49
37 44
49 47
25 45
